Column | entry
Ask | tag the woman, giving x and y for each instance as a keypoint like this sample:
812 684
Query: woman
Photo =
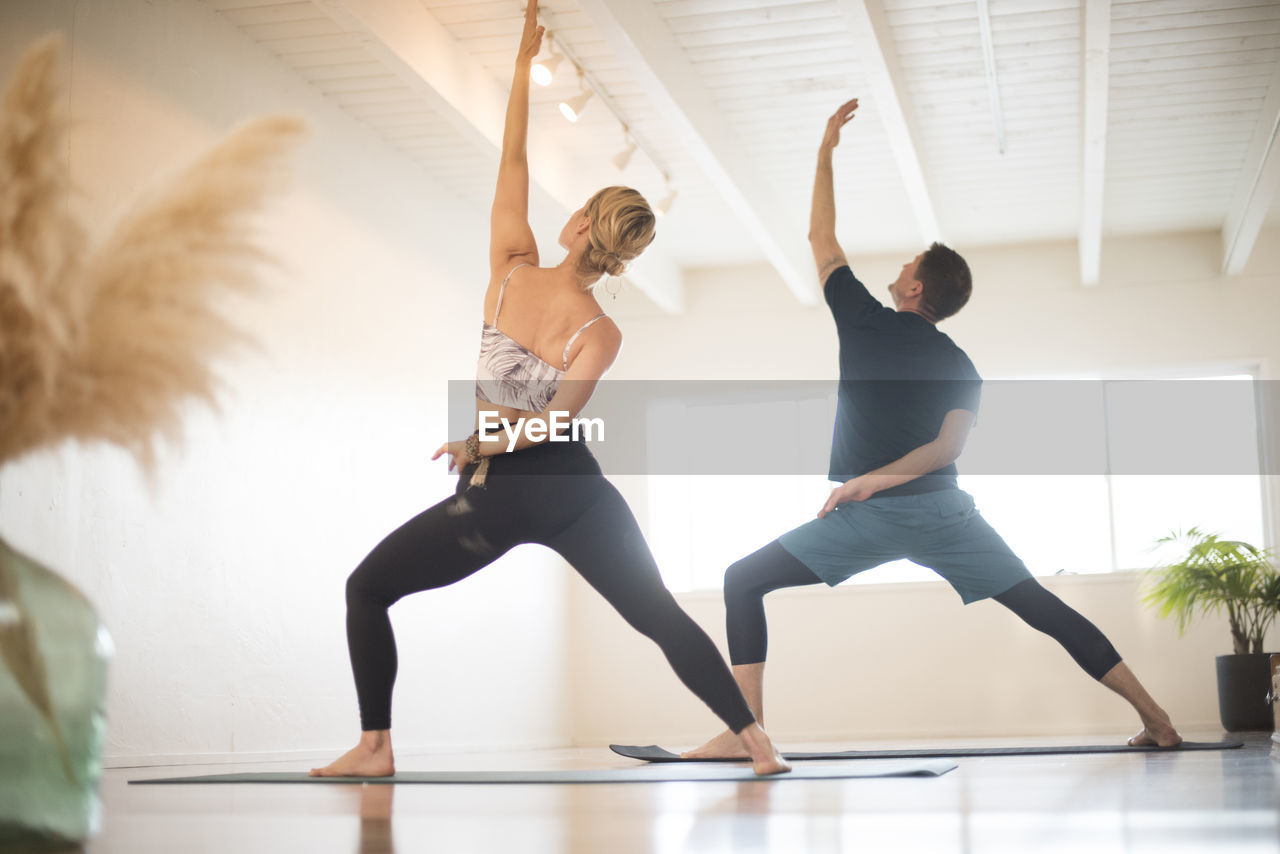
548 493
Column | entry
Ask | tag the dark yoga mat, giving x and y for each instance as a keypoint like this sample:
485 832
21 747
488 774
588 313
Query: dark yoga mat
638 774
654 753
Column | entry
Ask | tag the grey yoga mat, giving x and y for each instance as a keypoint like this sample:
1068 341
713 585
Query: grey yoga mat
654 753
637 774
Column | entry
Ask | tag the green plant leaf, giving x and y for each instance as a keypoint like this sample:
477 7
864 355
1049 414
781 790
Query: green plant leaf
1215 574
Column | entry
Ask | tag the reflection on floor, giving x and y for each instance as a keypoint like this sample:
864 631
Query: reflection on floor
1220 802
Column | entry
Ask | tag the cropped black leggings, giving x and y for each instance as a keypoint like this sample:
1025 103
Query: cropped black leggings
552 494
773 567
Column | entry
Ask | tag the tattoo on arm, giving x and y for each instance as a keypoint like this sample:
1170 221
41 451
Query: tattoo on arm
828 266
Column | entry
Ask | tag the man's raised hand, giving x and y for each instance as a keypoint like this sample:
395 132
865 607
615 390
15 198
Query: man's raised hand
839 119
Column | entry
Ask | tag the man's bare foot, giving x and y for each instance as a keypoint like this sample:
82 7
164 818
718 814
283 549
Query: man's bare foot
1156 733
726 745
765 758
1157 728
372 757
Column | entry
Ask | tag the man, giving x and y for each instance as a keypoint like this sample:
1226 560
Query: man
908 398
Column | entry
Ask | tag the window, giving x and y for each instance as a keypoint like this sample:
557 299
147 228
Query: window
1111 494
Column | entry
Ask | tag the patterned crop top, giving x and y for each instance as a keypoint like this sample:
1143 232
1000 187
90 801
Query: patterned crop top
510 374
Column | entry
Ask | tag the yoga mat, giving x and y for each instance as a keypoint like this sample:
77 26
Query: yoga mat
654 753
640 774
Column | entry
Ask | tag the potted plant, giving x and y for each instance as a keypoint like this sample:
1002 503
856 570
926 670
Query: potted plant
107 343
1215 575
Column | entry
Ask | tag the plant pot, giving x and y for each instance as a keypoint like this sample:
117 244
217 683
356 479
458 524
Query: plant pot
53 676
1244 681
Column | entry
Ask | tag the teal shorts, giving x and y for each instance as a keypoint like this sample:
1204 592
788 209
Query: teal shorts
940 530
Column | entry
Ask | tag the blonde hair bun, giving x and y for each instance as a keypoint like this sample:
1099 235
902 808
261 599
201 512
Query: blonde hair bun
622 226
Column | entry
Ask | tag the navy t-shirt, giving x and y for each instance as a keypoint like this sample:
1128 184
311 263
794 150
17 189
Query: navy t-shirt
899 377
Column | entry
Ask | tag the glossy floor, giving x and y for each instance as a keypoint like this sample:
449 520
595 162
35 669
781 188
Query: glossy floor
1225 802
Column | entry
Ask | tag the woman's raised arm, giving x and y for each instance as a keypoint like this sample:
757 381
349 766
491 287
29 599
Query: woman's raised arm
510 238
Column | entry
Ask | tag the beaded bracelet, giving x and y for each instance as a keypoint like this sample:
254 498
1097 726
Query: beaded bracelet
473 447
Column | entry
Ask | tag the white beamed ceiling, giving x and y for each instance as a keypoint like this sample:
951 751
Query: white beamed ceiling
339 63
1185 99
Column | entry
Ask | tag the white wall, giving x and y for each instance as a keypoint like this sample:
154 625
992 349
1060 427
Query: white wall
223 585
908 660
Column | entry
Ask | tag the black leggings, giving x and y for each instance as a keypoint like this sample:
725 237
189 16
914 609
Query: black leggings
553 494
773 567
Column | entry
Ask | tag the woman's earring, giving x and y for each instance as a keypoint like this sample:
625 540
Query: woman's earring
610 280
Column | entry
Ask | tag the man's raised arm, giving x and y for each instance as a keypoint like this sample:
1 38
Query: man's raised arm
827 253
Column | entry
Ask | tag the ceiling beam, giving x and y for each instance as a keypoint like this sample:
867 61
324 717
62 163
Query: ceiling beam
1096 72
638 36
1257 186
878 59
993 77
403 35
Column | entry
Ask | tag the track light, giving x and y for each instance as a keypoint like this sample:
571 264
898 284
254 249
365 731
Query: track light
664 206
544 69
571 108
623 157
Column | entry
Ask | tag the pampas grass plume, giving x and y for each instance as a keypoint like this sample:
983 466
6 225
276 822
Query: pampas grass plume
108 345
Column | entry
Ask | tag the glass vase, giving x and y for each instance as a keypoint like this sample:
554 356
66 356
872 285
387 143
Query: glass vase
53 678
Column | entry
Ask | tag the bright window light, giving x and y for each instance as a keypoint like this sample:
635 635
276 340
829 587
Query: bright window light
1105 518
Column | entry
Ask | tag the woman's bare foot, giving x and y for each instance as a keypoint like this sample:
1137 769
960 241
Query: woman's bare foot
751 743
372 757
765 758
726 745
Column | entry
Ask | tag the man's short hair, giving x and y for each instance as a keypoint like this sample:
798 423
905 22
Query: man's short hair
946 280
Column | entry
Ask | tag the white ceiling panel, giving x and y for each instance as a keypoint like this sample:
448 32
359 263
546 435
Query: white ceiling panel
1187 84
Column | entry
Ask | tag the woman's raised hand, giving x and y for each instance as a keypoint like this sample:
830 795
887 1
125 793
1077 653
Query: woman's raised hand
531 39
